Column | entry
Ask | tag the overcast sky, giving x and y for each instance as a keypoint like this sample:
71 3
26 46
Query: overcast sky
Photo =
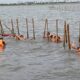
13 1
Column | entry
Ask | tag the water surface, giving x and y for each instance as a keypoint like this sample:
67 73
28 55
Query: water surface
39 59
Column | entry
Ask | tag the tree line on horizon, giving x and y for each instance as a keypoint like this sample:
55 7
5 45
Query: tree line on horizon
31 3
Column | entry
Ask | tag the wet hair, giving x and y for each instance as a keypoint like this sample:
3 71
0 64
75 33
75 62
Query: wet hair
51 36
21 36
54 36
58 37
78 47
4 43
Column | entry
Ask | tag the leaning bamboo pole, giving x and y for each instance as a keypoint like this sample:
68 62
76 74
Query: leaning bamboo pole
1 27
27 28
7 27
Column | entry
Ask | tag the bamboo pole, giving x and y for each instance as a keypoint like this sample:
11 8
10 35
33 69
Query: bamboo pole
45 29
57 29
64 35
27 28
1 28
12 27
69 44
17 22
7 27
79 33
46 25
33 28
65 32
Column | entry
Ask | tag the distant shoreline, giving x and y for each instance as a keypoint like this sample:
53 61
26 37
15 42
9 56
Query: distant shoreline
32 3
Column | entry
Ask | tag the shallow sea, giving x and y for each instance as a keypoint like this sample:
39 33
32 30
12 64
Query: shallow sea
39 59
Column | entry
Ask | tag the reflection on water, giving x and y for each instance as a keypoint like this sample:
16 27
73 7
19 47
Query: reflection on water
39 59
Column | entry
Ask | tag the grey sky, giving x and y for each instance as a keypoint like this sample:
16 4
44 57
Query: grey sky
13 1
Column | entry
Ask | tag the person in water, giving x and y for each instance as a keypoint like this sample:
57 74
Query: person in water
73 46
54 37
2 44
19 37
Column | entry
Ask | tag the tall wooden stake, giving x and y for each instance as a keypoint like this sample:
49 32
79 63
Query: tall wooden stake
57 29
45 29
27 28
69 44
33 28
46 25
12 26
17 21
65 32
64 35
79 33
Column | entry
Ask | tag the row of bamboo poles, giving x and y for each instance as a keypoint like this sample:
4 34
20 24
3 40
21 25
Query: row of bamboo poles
66 36
17 26
66 30
66 33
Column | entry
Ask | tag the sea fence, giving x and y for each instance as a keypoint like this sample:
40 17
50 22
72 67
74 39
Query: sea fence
31 28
